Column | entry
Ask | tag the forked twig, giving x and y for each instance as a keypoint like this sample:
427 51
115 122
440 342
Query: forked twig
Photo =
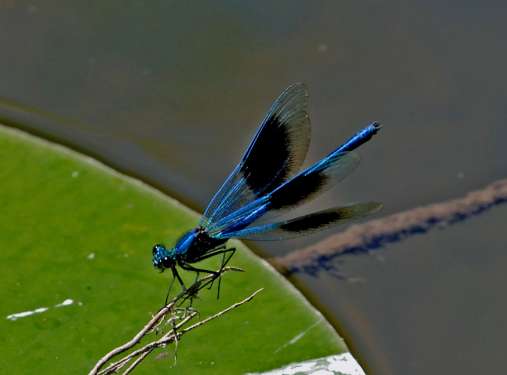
177 330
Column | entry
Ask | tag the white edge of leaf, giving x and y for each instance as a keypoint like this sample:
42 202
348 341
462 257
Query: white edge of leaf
340 364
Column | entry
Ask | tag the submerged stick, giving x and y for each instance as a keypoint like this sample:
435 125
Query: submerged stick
377 233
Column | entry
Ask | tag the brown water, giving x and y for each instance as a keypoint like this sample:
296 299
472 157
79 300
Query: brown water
172 93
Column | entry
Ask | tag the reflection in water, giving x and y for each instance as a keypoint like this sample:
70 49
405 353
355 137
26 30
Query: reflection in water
394 228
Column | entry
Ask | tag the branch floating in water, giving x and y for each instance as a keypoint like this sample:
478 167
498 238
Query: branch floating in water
374 234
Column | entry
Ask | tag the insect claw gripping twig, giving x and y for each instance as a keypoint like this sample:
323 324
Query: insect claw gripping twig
175 317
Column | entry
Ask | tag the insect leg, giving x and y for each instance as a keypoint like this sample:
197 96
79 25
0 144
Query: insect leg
177 276
169 290
212 254
188 267
230 252
226 258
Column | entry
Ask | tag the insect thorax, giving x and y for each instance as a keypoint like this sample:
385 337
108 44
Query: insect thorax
194 244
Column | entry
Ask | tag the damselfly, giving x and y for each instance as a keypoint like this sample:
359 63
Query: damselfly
265 184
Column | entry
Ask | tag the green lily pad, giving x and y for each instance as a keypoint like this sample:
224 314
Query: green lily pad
74 230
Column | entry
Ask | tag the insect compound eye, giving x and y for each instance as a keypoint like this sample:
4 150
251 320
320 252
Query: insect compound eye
157 249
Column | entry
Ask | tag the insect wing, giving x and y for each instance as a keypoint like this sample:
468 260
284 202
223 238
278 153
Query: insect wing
294 192
314 180
307 224
276 152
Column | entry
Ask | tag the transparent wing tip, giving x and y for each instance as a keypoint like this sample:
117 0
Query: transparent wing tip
297 87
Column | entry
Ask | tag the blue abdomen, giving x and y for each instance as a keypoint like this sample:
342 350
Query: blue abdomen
359 138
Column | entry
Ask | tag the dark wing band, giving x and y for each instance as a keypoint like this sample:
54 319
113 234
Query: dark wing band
276 152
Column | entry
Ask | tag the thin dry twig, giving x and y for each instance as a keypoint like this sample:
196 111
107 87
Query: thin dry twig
136 362
135 357
167 338
220 313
